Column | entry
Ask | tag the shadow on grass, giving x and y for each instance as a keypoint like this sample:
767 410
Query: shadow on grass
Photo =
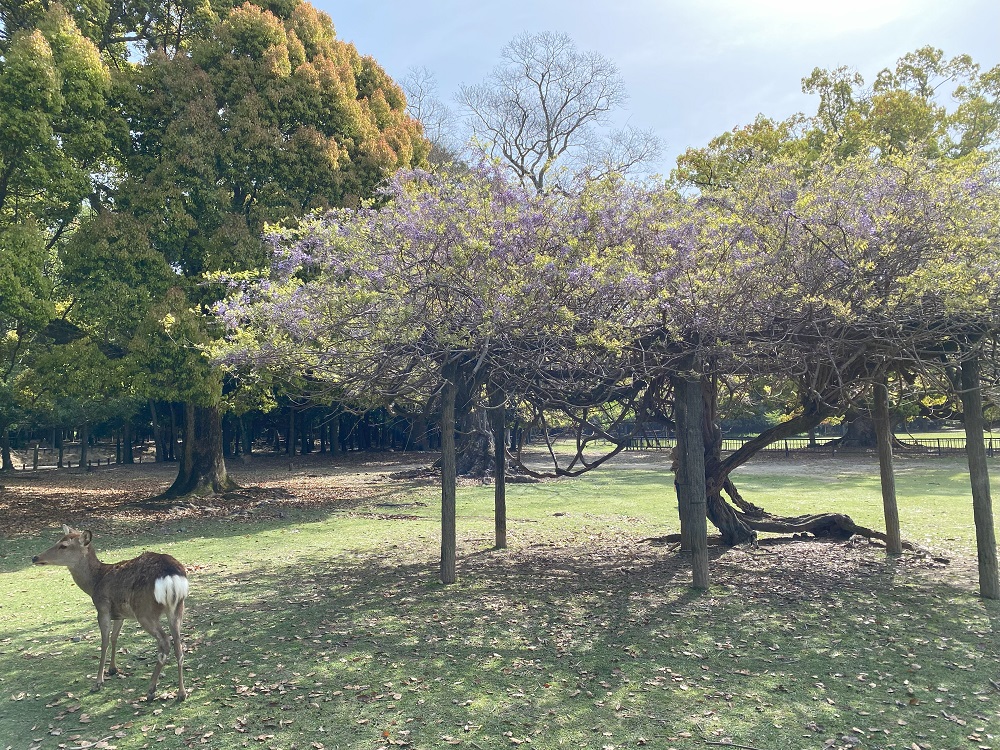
597 642
815 635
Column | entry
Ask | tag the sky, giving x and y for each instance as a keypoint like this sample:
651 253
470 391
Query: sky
692 68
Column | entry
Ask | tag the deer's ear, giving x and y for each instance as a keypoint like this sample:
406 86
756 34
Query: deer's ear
87 536
67 529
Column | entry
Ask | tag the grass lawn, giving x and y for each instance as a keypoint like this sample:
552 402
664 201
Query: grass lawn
315 618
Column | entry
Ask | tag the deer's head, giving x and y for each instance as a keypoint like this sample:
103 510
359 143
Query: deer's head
71 548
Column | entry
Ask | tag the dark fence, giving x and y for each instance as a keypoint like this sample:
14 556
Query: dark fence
661 441
100 454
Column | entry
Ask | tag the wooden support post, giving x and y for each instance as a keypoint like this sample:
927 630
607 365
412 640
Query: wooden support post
498 425
982 503
448 462
883 431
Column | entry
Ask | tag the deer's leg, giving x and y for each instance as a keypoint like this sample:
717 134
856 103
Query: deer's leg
105 623
116 628
174 620
152 626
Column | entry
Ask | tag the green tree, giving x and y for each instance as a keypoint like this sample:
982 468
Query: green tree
77 385
458 287
24 309
264 115
53 89
925 104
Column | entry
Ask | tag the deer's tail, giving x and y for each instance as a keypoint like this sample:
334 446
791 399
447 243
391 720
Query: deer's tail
170 591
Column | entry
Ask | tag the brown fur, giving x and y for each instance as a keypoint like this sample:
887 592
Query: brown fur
123 591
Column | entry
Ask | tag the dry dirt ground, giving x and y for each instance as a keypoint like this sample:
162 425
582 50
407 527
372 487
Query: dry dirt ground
32 501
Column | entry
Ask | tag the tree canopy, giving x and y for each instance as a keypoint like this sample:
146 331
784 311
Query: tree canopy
144 149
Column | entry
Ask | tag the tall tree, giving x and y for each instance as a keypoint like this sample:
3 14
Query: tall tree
925 104
458 285
903 140
52 97
823 288
250 118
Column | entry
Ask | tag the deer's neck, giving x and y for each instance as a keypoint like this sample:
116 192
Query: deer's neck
88 571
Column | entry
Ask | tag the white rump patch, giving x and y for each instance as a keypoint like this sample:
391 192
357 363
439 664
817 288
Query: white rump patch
170 590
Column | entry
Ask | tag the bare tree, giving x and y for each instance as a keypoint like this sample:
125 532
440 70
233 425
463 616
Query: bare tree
439 121
549 104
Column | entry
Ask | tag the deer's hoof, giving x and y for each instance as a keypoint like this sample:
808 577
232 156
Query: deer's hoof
181 695
97 687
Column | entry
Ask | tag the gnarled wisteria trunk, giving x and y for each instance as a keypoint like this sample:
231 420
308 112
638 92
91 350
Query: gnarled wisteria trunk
739 520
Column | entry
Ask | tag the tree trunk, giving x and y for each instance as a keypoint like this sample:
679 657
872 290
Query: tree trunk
172 437
498 423
227 434
474 452
861 432
246 435
448 545
202 469
982 503
127 440
186 461
84 444
335 434
689 479
290 441
6 463
305 433
418 432
475 455
883 429
159 452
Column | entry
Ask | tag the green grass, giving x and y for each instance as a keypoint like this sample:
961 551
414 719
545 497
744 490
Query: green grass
934 499
327 628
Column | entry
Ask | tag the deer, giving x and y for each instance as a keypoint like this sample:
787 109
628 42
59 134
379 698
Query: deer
143 589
